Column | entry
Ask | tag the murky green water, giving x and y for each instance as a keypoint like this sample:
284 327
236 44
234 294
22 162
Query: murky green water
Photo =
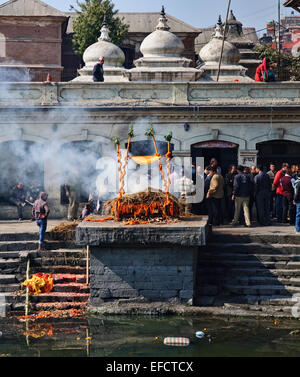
140 336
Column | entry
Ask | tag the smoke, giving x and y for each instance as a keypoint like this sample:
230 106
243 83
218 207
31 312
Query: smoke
12 71
50 161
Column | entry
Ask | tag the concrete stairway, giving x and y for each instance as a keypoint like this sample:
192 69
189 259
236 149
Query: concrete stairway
62 259
252 272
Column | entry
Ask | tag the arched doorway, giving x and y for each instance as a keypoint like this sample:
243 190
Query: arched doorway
277 152
20 161
78 161
224 151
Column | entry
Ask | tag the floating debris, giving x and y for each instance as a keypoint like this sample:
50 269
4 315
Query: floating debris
200 334
176 341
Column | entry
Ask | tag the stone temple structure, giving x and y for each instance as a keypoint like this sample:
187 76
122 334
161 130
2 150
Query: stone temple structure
162 60
235 35
210 54
240 121
113 55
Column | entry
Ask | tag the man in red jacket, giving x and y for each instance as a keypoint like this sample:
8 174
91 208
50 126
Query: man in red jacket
287 197
278 187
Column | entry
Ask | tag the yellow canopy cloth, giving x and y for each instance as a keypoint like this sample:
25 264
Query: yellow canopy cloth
144 160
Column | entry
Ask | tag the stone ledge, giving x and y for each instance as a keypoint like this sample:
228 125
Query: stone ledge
190 232
121 307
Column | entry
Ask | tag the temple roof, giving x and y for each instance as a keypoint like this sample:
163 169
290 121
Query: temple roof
206 35
295 4
144 22
28 8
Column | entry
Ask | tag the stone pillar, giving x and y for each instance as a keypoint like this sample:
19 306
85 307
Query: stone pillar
247 157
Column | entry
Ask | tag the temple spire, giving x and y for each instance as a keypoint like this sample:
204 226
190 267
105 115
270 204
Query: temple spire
104 31
162 23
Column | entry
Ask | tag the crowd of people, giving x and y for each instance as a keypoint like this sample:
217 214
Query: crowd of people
244 191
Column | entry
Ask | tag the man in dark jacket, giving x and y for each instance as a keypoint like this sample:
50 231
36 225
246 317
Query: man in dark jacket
242 189
297 202
98 73
229 179
262 193
40 212
18 198
208 201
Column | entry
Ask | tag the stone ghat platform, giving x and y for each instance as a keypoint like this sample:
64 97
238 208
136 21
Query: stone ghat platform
155 262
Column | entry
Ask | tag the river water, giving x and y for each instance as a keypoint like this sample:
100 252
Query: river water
142 336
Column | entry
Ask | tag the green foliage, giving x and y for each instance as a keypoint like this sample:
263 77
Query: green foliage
168 138
89 22
116 140
289 65
150 132
130 133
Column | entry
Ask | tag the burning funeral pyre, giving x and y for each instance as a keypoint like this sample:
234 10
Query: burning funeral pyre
147 206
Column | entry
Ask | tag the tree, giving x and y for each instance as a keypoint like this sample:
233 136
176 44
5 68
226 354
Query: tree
289 64
90 20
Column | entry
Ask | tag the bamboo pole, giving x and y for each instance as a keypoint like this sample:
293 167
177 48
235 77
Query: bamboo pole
220 61
87 263
27 289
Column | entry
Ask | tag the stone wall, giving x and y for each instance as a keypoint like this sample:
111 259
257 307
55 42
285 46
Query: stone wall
153 261
157 274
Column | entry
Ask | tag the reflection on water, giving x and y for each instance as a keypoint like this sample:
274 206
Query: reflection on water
116 336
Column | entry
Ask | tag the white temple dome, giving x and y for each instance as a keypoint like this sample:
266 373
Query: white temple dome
162 43
113 55
114 59
211 52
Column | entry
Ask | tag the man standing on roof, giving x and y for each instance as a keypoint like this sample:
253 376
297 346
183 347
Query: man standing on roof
98 73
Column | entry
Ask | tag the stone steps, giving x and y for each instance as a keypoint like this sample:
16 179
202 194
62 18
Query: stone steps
261 290
257 264
63 259
252 248
262 271
71 287
262 239
61 305
60 269
9 254
69 278
7 263
234 271
59 297
251 257
33 245
9 287
7 279
286 301
250 280
19 237
58 261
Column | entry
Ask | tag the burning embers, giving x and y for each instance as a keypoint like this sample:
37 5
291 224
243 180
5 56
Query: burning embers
147 206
